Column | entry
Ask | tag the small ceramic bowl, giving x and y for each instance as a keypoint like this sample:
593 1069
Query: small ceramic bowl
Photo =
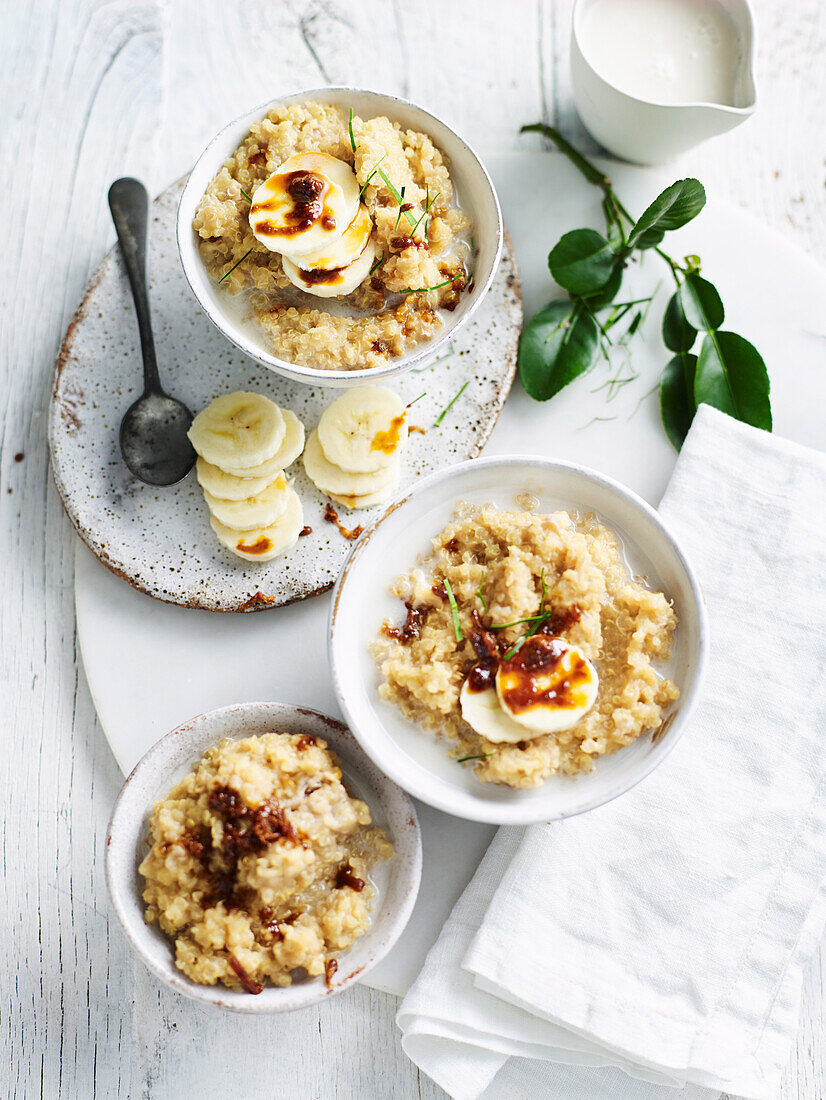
166 763
474 188
416 758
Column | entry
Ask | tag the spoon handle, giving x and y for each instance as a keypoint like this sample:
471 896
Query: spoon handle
129 206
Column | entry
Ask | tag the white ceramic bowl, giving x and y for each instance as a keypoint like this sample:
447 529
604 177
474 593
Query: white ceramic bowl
166 763
416 758
645 131
474 188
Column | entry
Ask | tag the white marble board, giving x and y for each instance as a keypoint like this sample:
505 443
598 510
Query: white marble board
150 665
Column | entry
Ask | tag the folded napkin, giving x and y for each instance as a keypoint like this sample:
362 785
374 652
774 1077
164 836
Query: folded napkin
654 948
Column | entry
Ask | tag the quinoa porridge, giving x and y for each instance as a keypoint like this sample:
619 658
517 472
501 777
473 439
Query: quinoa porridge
526 641
418 243
259 862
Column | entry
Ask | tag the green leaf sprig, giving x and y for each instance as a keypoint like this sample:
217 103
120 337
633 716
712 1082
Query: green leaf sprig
564 339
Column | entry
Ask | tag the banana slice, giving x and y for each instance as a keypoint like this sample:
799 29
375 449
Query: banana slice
331 284
367 500
306 205
286 454
254 512
346 249
547 686
482 711
239 430
332 479
364 429
264 543
227 486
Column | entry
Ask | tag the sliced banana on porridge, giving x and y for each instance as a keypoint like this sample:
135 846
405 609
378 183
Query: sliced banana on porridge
482 711
545 686
343 252
238 429
330 478
331 283
364 429
256 511
264 543
305 205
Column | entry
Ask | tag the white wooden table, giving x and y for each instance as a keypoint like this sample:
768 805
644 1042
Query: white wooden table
94 90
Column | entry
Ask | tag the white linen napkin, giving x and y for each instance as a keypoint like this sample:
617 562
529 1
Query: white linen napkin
654 948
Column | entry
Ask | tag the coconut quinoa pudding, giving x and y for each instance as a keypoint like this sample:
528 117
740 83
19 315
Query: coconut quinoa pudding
344 231
525 640
259 862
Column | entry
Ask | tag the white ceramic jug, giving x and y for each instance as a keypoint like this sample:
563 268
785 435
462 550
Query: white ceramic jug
648 132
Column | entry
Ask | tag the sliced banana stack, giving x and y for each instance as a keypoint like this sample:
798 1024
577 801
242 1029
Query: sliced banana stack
309 210
244 442
354 455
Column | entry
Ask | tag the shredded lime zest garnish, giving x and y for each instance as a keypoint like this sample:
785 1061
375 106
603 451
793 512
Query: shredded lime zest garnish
396 195
234 266
454 611
427 289
479 592
449 406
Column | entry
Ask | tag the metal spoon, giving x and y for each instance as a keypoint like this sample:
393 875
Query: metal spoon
153 437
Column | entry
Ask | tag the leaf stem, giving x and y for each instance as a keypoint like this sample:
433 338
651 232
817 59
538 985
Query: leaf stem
592 174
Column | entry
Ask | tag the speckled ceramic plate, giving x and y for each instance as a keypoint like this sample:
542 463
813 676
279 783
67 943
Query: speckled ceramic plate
159 540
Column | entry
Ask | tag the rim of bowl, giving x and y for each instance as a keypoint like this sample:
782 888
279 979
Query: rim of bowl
314 375
488 814
724 108
265 1003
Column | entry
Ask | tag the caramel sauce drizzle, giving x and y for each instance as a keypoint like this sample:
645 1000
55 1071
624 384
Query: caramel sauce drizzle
387 441
544 671
260 547
307 191
331 515
320 275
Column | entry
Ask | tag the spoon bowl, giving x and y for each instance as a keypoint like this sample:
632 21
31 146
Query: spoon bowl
153 439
